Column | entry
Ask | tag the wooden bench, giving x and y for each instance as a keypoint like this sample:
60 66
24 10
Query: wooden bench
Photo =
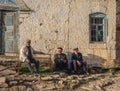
13 60
45 59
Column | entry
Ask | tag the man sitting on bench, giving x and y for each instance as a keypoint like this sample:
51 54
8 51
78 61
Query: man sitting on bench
26 55
77 62
60 60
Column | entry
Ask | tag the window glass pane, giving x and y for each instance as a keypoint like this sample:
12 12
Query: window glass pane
93 38
93 27
100 35
100 38
92 20
96 20
100 28
93 33
100 20
9 20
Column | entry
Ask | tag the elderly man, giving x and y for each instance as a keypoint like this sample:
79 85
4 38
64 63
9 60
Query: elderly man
60 59
26 55
77 61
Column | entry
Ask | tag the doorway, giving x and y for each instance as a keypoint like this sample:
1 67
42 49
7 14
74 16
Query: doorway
8 32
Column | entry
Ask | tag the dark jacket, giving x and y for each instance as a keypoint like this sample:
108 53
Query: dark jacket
60 57
77 56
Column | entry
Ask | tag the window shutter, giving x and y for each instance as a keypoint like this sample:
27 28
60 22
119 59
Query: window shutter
10 32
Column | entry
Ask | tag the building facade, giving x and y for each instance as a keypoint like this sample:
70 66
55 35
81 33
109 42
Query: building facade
89 25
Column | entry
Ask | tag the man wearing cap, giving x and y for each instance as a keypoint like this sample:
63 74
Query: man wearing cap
26 55
60 60
77 61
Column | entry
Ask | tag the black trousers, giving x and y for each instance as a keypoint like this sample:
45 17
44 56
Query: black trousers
75 67
60 65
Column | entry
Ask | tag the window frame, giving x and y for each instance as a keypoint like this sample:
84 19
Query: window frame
104 25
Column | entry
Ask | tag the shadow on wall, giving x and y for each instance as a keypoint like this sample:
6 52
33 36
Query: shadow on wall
92 60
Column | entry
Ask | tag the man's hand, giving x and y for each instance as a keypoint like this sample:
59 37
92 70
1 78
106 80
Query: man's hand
27 60
64 60
78 62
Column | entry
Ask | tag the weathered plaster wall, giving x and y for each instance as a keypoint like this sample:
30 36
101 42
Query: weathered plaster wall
65 23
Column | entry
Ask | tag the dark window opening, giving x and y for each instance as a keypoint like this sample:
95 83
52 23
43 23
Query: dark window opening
97 27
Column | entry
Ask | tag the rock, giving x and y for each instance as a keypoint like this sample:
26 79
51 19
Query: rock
17 78
69 77
72 86
22 88
85 88
2 80
10 78
14 88
62 79
60 82
1 75
51 87
75 76
4 89
3 85
63 75
98 88
13 83
74 81
30 79
21 81
29 89
55 76
48 78
30 83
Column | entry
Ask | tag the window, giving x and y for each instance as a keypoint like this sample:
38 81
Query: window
97 27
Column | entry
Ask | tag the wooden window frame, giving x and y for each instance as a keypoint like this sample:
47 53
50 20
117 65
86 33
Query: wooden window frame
95 20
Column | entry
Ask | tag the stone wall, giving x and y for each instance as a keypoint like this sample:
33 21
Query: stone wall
65 23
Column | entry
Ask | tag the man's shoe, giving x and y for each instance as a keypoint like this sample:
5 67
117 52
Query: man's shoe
36 73
75 72
85 73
